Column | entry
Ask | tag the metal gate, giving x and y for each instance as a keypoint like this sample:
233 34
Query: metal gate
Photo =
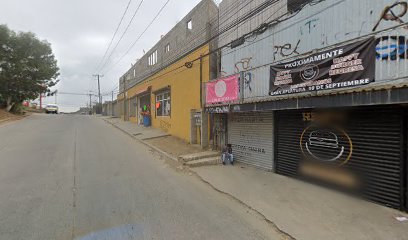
370 145
219 131
251 137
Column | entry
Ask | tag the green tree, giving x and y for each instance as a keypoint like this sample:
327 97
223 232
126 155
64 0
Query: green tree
27 66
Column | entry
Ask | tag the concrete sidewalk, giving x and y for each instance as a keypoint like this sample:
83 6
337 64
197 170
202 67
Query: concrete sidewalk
160 141
135 130
303 210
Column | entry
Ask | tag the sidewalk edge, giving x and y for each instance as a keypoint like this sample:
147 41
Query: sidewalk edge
144 142
284 234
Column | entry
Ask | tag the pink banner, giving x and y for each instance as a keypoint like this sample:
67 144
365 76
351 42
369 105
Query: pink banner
223 90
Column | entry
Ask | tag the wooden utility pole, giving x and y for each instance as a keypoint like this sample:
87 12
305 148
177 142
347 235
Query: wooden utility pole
98 76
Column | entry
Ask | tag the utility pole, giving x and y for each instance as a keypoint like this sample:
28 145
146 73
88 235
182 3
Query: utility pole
98 76
112 105
90 102
41 96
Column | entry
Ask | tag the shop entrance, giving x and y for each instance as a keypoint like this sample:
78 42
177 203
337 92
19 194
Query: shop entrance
219 131
143 107
360 149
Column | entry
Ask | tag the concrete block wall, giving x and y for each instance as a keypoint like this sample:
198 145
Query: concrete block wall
182 40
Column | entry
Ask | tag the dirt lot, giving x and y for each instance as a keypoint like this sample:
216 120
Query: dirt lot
8 117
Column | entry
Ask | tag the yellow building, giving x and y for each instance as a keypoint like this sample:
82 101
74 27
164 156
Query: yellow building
171 94
166 83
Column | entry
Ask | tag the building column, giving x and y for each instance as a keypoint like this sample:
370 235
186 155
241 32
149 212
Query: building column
193 127
204 130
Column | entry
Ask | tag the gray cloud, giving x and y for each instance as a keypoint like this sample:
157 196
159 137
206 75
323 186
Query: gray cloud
80 30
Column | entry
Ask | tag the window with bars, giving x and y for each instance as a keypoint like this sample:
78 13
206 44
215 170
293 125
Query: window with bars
153 58
163 103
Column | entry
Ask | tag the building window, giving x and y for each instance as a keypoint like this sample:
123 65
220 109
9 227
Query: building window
190 25
167 48
163 103
152 59
134 72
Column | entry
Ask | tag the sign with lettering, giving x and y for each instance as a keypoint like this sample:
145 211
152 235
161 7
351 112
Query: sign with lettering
223 90
217 109
345 66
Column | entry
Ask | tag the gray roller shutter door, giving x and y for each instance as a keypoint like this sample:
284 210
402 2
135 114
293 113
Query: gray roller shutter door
251 137
376 134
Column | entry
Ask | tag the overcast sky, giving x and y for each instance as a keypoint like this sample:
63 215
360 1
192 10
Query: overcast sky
80 30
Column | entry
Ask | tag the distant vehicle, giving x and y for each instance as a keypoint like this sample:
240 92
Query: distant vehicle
51 108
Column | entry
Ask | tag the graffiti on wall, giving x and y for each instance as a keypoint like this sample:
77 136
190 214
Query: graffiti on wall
165 126
392 48
363 30
244 65
394 13
308 27
286 50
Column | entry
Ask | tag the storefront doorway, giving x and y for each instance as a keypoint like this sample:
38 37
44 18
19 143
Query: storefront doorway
143 107
358 149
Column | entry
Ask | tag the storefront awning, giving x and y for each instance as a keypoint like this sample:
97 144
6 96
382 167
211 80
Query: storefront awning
143 90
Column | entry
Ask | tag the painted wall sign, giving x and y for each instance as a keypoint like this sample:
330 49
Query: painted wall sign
345 66
198 119
223 90
218 109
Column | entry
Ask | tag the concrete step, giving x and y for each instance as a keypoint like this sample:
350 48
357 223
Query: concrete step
197 156
204 162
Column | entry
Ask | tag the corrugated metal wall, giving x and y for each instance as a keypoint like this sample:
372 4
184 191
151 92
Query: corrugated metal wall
324 24
251 136
377 150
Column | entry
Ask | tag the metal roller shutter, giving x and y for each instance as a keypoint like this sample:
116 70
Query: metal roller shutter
377 150
251 137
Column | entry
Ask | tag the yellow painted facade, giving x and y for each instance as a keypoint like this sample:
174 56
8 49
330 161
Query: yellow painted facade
184 85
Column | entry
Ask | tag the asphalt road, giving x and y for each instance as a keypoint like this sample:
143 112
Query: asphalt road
76 177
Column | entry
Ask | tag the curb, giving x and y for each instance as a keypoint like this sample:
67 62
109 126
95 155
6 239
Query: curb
144 142
285 235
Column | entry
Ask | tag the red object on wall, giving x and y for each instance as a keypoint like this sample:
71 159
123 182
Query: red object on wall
223 90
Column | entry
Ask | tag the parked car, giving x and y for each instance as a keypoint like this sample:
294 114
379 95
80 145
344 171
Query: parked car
51 108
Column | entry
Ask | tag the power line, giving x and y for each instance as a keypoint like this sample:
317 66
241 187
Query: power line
75 94
252 13
114 35
141 35
203 31
259 30
123 34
